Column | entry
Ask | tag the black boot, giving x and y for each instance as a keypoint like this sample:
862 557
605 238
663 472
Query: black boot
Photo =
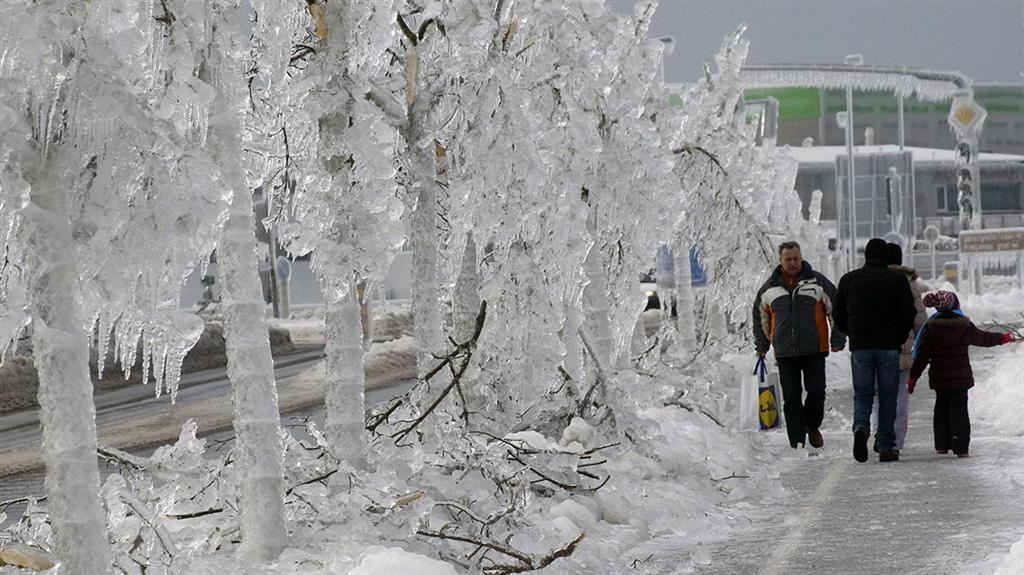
860 445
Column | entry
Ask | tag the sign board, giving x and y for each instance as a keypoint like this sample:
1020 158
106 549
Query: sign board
998 240
965 114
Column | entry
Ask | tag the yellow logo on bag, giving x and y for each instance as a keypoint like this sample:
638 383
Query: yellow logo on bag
769 409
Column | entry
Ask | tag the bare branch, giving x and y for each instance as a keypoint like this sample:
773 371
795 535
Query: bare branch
195 514
465 350
564 551
503 549
407 31
689 149
122 457
318 479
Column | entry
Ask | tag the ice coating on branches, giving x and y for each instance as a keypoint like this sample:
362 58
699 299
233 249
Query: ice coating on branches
342 205
141 201
739 198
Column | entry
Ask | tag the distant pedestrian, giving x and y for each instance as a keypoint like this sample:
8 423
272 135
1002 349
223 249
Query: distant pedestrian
943 343
894 258
792 312
874 306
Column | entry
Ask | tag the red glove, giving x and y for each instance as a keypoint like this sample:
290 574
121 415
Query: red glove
1008 338
911 383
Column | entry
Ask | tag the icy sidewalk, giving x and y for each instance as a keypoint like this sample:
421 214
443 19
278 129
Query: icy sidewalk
925 514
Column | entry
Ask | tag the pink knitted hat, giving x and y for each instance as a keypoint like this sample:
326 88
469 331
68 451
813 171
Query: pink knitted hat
942 300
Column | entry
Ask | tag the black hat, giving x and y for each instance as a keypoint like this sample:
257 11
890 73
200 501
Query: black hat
893 255
875 250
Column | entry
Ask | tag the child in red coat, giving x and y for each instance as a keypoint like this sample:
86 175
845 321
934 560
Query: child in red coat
943 342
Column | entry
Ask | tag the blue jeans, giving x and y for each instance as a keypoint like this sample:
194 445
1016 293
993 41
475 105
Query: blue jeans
902 409
873 367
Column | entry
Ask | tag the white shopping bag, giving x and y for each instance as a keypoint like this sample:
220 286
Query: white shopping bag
760 405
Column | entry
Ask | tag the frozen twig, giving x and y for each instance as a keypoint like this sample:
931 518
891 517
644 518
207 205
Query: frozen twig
463 351
195 514
147 515
123 458
318 479
602 377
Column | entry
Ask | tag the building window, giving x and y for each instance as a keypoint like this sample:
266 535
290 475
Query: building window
1000 196
945 198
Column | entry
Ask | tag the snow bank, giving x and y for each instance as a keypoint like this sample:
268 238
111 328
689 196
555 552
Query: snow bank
378 560
1014 562
999 391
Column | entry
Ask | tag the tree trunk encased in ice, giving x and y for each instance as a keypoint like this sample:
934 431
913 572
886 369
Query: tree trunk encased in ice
257 421
685 322
426 305
66 409
344 393
466 296
596 308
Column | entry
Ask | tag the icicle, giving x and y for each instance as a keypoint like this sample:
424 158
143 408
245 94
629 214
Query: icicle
104 333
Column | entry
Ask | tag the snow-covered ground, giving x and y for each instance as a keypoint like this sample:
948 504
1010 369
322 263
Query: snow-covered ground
692 494
681 504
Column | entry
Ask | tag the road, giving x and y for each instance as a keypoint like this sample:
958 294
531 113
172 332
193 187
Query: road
135 408
138 402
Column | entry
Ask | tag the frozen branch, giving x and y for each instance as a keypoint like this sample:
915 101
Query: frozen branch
125 459
146 514
194 515
690 149
564 551
601 379
393 110
463 351
318 479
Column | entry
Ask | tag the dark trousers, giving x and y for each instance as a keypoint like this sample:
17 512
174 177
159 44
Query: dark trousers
802 413
951 422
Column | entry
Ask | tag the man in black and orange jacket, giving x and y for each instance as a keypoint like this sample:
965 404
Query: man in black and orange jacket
792 313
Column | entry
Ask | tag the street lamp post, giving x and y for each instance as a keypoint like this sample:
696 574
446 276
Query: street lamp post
851 183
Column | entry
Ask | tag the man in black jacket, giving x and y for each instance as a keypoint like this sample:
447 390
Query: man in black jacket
875 308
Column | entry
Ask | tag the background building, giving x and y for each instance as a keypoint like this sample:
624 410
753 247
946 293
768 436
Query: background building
811 113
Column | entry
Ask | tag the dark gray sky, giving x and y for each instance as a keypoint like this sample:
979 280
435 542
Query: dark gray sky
981 38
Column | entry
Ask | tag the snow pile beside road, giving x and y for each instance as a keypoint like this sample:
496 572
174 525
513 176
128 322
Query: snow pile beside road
999 392
999 395
390 361
391 321
302 331
1002 307
1014 562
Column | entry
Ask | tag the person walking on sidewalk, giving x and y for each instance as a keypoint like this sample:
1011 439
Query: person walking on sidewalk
894 258
792 312
943 343
875 308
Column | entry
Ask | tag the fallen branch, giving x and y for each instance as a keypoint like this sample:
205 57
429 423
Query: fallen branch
6 504
318 479
146 514
564 551
195 514
126 459
503 549
465 350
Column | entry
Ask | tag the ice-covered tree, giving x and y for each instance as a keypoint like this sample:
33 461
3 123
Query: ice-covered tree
256 418
344 208
108 204
733 190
